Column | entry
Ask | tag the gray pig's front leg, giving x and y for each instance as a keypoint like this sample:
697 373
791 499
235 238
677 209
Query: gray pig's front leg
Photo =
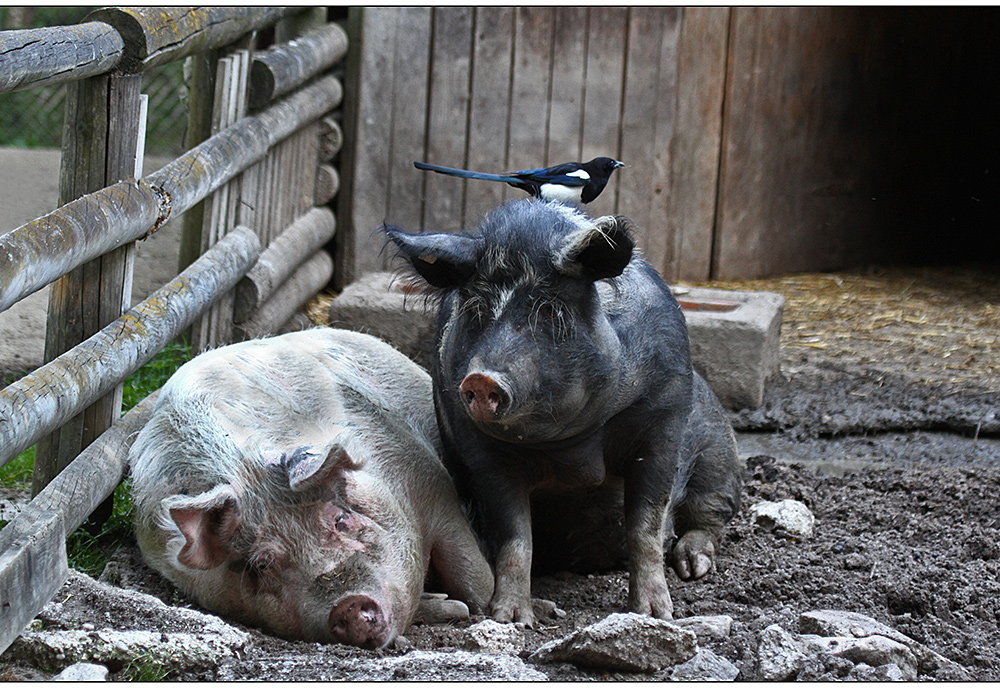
506 511
648 487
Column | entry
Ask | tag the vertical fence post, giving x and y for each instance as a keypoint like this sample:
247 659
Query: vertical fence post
199 78
100 141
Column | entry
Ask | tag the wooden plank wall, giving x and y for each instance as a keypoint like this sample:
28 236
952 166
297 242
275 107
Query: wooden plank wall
499 88
803 143
759 141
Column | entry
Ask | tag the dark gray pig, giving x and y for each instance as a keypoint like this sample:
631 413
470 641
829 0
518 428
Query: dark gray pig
562 365
294 483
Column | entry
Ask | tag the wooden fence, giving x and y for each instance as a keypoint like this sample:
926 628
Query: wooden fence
251 189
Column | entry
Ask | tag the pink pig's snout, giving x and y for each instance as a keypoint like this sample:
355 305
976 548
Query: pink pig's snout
485 398
359 620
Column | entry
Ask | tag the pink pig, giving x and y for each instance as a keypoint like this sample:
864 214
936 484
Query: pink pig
294 483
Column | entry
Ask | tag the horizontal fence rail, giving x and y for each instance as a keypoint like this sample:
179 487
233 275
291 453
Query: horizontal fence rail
43 400
57 54
32 546
300 240
283 67
157 35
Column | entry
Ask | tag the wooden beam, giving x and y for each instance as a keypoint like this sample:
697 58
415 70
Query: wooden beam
197 173
331 138
327 184
289 298
57 54
300 240
284 67
32 568
43 250
157 35
43 400
697 140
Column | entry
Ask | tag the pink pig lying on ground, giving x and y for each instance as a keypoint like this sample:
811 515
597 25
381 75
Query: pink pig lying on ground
294 483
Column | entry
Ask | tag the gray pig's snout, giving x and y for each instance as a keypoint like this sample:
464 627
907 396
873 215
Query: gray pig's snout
484 397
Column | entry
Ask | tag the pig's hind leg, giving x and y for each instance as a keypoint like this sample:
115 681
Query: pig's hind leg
710 497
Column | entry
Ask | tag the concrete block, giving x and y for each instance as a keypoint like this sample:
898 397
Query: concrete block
734 335
734 340
384 305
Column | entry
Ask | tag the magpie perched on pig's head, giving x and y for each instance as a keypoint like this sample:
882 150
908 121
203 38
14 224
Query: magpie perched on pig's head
571 182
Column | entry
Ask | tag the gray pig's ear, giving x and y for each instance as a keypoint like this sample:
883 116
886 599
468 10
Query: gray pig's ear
446 261
311 466
597 252
208 522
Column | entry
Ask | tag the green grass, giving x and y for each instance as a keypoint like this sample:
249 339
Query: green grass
89 547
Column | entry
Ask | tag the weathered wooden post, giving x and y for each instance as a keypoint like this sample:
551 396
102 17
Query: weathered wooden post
100 141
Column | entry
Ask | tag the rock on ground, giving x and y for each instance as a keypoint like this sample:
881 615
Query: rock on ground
623 642
495 638
845 642
417 665
788 518
84 671
704 666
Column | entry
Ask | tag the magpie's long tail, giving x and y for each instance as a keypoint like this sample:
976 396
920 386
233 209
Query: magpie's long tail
469 174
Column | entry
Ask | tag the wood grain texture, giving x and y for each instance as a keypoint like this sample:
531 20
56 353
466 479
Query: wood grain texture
286 66
157 35
447 115
489 107
33 562
290 249
292 295
694 149
797 153
57 54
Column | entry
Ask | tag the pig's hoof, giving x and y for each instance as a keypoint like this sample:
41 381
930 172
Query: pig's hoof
546 609
433 609
653 603
694 555
513 612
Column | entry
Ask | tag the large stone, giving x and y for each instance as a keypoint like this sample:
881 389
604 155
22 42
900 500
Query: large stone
418 665
387 306
494 638
780 654
788 518
704 666
833 623
83 671
734 341
623 642
54 650
714 627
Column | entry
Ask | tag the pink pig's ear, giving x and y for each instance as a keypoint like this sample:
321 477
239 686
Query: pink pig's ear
207 522
312 466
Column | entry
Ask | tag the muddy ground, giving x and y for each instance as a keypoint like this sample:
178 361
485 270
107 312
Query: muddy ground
888 428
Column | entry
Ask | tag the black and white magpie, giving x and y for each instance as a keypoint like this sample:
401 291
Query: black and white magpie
570 182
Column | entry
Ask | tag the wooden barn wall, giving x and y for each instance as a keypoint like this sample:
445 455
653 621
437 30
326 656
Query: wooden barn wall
759 141
498 88
803 141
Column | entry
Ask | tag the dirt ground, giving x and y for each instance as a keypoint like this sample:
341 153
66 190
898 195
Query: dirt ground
885 423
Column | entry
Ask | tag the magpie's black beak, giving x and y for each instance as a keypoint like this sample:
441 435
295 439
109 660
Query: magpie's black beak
618 163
